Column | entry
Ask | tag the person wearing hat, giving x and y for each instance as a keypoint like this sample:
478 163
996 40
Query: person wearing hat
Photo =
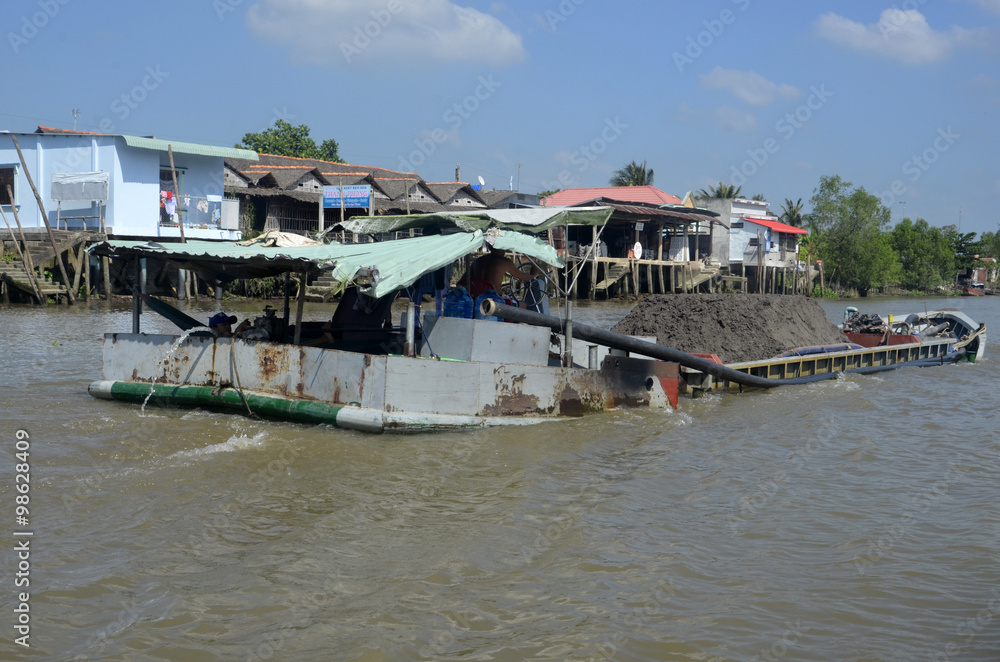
222 324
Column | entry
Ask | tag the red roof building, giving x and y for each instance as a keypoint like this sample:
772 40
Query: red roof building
776 226
646 194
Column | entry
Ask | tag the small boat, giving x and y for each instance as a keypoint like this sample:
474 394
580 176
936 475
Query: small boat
973 290
428 371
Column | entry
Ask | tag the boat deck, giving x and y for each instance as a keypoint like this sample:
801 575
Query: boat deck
871 359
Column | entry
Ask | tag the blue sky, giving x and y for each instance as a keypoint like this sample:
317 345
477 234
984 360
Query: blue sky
900 98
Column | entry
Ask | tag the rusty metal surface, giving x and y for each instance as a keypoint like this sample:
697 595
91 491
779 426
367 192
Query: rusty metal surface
391 384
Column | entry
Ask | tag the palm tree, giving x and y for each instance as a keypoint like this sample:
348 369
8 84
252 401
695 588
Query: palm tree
759 197
633 174
722 191
791 213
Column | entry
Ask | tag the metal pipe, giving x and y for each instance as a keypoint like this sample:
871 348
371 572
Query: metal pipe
568 332
410 349
629 344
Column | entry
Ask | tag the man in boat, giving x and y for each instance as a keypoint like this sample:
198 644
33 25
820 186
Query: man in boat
487 272
222 324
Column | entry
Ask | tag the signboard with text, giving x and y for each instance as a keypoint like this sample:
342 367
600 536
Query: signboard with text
353 196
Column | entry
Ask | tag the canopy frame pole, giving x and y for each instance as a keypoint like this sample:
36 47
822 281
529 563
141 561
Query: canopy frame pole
287 296
136 299
300 301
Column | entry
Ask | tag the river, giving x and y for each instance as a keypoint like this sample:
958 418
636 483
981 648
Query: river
854 519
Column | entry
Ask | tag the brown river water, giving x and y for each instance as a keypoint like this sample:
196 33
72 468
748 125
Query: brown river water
855 519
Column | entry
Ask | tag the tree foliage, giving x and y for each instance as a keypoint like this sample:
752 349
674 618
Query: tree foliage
548 192
721 191
854 243
926 255
633 174
965 245
283 139
791 213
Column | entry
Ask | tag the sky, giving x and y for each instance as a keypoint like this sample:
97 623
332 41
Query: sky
902 99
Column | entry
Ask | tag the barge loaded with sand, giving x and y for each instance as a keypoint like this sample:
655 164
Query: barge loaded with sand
365 371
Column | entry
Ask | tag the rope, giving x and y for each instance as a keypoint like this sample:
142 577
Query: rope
239 386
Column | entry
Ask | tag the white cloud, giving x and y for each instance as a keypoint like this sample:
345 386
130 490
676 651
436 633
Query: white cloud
899 35
411 33
747 85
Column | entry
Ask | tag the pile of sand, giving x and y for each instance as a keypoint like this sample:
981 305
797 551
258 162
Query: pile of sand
736 327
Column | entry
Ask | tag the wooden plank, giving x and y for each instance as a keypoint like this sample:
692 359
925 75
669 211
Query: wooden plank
38 198
29 266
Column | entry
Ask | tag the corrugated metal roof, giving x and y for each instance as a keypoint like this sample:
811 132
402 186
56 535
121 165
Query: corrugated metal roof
190 148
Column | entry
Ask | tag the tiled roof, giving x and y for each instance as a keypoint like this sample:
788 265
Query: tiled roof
647 194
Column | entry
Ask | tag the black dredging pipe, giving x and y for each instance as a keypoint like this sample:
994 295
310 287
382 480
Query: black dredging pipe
620 341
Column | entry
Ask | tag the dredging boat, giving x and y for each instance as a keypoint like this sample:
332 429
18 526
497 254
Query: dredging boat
364 371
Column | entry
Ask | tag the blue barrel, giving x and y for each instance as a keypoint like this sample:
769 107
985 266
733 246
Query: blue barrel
489 294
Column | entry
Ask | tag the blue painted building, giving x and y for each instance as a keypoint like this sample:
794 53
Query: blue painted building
123 183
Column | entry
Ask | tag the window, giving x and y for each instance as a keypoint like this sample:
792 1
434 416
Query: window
6 179
167 180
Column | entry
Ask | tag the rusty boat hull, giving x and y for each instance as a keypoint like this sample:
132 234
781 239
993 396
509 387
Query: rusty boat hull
371 392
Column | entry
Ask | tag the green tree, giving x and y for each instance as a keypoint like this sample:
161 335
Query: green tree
545 194
283 139
856 248
722 191
791 213
633 174
965 245
926 255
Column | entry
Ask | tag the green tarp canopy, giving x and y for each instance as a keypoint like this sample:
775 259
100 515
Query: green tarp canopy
378 268
533 221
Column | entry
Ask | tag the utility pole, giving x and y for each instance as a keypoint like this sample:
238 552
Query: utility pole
518 177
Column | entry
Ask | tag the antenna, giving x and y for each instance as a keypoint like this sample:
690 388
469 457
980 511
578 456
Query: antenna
518 177
76 113
960 219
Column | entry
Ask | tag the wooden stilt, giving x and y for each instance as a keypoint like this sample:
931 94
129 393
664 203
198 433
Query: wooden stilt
70 299
78 268
29 265
106 277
